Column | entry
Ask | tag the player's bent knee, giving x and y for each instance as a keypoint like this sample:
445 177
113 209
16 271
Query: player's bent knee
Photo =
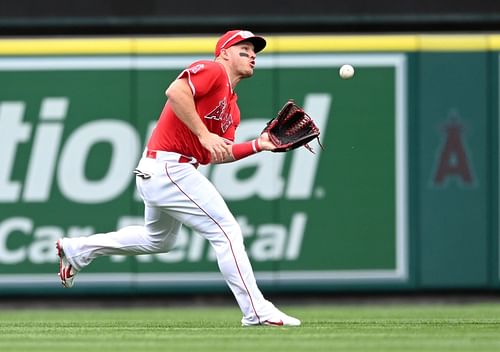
165 246
162 245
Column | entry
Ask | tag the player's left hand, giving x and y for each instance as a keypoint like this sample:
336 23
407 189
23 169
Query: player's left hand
265 143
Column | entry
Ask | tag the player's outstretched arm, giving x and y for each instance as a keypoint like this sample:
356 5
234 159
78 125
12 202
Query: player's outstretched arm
242 150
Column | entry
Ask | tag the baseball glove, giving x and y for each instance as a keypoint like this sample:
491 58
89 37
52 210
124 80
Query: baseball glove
292 128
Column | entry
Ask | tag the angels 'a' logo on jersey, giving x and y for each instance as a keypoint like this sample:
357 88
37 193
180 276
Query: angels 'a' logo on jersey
227 121
220 114
216 114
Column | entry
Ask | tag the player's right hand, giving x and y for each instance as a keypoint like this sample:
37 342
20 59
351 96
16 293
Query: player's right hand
217 146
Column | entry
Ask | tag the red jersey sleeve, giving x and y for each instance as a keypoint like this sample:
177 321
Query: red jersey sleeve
202 76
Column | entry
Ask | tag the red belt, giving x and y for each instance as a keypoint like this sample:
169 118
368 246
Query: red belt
182 159
151 154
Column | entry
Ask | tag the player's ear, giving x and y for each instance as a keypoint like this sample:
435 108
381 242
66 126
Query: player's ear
224 54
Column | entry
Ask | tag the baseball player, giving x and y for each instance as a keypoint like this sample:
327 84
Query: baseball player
196 126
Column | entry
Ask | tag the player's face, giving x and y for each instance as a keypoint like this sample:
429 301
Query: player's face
243 59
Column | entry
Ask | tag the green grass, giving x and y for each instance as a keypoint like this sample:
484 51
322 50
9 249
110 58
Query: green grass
471 327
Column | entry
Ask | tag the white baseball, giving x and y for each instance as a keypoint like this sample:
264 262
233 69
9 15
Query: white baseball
346 71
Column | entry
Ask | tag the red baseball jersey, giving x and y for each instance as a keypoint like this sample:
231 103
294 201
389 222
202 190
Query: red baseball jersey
216 105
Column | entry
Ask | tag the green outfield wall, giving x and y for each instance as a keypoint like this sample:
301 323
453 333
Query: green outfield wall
404 195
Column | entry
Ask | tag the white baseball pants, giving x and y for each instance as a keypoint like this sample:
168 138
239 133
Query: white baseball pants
177 193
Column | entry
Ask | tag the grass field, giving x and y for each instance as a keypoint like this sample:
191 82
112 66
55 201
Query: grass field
393 327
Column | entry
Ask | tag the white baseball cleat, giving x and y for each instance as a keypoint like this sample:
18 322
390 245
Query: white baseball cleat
278 319
66 272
